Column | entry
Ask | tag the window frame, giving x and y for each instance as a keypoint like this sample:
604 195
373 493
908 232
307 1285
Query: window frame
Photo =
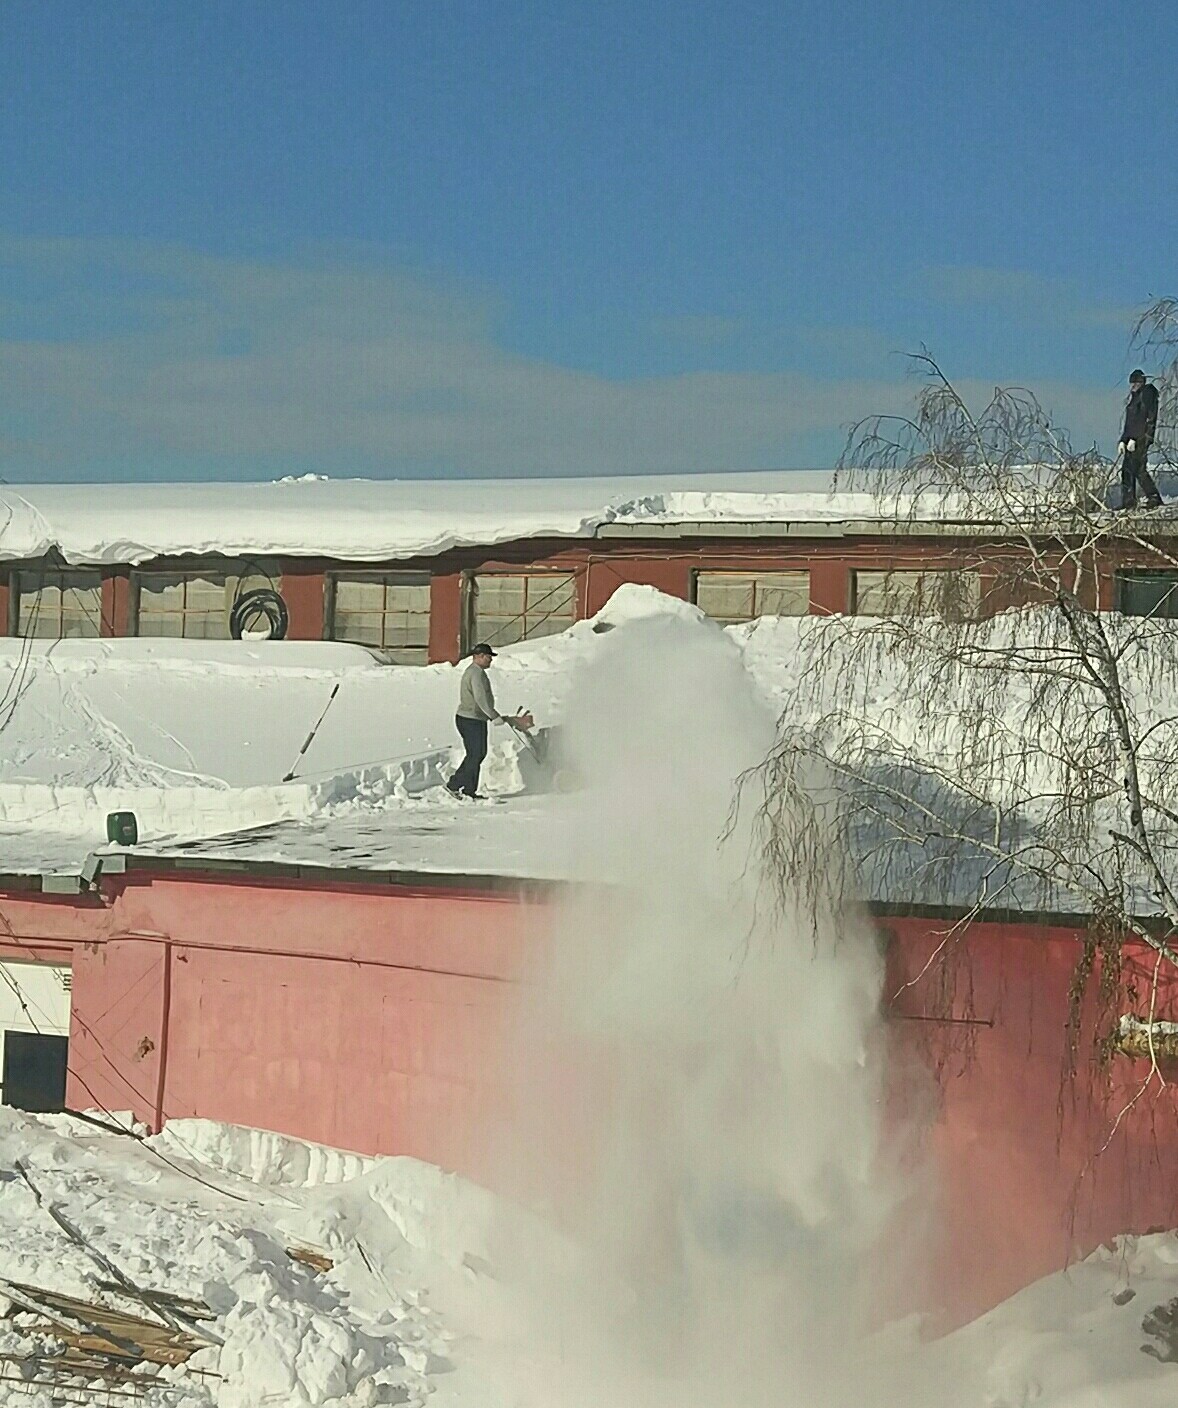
46 574
887 573
234 570
753 575
420 578
473 632
1123 576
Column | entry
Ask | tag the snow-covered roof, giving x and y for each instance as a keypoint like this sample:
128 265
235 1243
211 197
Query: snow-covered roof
375 520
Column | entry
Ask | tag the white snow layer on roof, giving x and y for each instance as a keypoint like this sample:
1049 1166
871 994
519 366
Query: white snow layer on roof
375 520
196 738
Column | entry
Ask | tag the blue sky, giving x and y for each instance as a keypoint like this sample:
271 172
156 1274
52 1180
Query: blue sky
419 237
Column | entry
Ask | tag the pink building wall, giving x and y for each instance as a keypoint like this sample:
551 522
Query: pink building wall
369 1017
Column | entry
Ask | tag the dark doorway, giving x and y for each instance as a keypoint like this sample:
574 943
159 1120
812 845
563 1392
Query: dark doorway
1147 593
34 1071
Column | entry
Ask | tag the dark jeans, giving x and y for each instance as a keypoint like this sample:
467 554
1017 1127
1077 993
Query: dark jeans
474 736
1133 473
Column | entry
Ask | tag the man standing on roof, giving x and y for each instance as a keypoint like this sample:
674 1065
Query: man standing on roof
476 709
1141 423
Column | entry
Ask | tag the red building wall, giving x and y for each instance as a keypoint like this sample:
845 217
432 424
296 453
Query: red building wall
370 1017
1018 1127
445 617
601 566
305 592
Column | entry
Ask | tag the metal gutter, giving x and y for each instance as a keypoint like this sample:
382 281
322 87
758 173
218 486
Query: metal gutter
224 870
845 528
803 528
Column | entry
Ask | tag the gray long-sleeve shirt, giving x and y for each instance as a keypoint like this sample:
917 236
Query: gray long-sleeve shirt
476 699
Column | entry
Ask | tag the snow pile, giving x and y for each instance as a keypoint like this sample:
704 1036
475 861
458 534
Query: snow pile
196 738
362 520
634 602
418 1307
1103 1334
80 1210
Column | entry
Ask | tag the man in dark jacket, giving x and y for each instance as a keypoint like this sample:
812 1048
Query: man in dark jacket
1141 423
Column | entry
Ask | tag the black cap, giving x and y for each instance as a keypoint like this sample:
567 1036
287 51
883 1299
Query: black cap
483 650
1136 375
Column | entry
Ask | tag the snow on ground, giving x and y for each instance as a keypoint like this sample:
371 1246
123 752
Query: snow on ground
417 1305
1103 1334
363 1333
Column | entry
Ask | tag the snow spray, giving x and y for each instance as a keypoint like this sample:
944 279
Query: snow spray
699 1069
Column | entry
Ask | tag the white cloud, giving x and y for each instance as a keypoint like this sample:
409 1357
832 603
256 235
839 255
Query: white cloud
1027 295
161 360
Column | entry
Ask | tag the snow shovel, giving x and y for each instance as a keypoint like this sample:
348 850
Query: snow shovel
311 736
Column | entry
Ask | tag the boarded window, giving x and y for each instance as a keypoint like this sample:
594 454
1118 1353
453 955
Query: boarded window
65 605
954 595
34 1071
521 606
1147 593
730 597
194 605
386 610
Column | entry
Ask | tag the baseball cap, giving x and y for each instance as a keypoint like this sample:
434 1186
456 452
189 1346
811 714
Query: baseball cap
483 650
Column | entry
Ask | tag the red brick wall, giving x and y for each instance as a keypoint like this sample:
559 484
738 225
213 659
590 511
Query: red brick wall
603 566
239 1001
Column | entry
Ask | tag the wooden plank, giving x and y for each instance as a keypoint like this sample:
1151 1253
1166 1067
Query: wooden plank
106 1331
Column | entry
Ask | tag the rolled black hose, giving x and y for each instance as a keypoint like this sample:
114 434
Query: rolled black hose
253 609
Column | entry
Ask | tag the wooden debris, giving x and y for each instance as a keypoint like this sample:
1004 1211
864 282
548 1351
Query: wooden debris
101 1330
317 1261
182 1305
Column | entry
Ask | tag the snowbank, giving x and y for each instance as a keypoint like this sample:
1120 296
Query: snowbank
337 1280
283 1329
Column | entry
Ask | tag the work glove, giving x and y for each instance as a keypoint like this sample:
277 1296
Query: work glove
1130 445
1121 448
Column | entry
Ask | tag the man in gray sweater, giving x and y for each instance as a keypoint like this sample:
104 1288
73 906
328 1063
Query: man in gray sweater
476 709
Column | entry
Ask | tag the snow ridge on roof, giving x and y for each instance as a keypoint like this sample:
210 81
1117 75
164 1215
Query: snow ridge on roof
375 520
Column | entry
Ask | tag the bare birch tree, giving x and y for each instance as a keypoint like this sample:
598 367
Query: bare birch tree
999 738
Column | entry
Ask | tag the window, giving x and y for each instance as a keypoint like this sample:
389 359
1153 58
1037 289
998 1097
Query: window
387 610
34 1071
730 597
1147 593
521 606
34 1024
955 595
194 605
59 605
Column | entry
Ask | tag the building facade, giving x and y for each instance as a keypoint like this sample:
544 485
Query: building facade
366 1010
426 610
